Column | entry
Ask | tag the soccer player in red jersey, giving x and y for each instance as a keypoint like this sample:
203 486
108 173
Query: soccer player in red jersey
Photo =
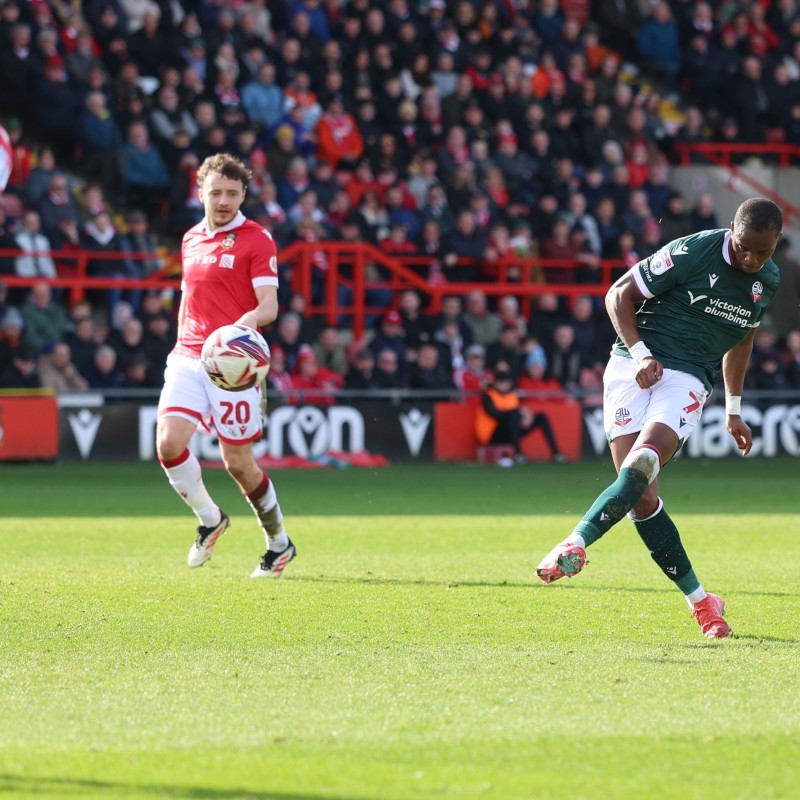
230 275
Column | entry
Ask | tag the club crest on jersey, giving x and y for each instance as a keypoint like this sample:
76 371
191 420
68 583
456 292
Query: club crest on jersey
228 242
226 260
622 417
757 292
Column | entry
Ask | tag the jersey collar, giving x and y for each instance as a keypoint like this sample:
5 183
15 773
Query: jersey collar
726 251
236 222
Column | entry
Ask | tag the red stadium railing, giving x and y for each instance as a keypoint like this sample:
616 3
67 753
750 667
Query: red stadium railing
722 154
333 265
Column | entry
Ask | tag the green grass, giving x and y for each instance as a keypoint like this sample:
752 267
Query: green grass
406 654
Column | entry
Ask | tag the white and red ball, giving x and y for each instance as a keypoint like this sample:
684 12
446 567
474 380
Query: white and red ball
235 357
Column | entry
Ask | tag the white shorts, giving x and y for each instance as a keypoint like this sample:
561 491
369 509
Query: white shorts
676 400
188 393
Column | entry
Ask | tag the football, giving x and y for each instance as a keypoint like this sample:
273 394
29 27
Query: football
235 357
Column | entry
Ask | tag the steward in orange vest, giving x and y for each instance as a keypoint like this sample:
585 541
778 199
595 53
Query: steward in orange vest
501 418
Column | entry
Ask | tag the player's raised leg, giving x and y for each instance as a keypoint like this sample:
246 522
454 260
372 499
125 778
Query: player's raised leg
638 460
263 500
182 468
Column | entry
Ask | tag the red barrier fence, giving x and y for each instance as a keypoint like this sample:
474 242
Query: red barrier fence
334 265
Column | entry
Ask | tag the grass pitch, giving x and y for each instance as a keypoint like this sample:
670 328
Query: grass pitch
407 653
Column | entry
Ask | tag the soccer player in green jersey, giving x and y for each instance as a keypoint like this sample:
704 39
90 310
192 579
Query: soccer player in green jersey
700 300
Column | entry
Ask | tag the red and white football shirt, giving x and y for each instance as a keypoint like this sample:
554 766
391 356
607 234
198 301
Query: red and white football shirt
221 270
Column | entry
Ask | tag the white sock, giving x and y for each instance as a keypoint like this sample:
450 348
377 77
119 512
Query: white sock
186 479
576 538
696 596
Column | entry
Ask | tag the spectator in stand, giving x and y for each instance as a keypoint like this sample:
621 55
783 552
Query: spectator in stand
141 250
427 372
659 48
559 247
791 358
473 378
57 204
338 137
287 337
607 225
747 100
104 372
21 158
637 213
657 189
565 358
451 345
157 342
728 133
465 242
18 68
145 178
11 329
415 326
675 221
46 321
507 350
437 209
361 374
83 342
509 313
36 260
279 379
329 350
651 240
535 381
293 182
484 324
58 372
168 116
128 342
41 175
703 217
388 374
21 373
99 141
100 236
56 109
7 242
185 208
262 98
431 246
313 383
390 336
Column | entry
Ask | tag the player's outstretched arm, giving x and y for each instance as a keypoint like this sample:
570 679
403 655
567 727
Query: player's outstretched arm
734 367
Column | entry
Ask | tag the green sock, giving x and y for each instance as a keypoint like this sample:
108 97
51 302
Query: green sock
661 537
612 504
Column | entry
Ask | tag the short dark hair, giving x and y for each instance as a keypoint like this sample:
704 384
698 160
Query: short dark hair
227 165
759 214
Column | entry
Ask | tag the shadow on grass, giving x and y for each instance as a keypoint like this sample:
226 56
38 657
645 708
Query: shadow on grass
33 787
749 640
532 584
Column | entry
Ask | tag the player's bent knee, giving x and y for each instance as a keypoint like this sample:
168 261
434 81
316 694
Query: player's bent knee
644 459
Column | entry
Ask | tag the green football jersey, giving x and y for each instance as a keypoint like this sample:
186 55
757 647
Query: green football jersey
698 305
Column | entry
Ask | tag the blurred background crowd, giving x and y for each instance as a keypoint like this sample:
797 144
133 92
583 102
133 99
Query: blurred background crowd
450 129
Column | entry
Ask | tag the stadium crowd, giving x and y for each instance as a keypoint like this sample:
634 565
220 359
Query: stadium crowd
449 129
